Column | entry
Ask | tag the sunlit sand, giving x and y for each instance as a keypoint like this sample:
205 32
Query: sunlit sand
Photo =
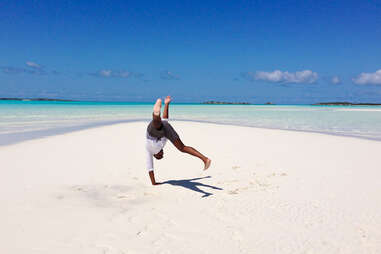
266 191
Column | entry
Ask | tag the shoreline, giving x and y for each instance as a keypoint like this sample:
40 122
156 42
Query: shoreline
19 137
210 102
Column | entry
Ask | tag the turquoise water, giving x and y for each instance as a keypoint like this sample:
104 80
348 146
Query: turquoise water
20 117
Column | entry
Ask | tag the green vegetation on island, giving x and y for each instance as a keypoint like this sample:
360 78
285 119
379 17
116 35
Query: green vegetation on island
31 99
224 102
345 104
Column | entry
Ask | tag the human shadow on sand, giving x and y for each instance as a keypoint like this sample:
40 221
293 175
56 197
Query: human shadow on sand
192 185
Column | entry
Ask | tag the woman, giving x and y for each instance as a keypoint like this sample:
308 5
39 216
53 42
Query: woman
158 132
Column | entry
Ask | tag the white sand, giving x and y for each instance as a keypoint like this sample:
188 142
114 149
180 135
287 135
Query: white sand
281 192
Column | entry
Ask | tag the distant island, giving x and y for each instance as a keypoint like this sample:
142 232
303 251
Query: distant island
345 104
224 102
32 99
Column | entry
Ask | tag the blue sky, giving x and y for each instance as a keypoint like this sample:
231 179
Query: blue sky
287 52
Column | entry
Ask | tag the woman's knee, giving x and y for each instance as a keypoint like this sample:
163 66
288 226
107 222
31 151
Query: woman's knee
179 145
181 148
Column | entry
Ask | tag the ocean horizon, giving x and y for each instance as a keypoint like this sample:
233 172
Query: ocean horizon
23 120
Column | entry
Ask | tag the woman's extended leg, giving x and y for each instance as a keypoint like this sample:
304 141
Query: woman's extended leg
156 114
190 150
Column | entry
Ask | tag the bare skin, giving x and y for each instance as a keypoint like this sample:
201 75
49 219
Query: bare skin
167 100
190 150
152 177
156 114
177 143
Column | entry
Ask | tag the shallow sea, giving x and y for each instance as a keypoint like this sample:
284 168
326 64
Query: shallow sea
20 120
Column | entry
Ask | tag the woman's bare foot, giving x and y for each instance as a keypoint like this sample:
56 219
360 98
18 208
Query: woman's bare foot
157 107
168 99
207 163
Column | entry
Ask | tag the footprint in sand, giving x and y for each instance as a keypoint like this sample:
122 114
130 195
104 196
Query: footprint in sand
122 196
79 188
362 233
277 175
261 182
237 236
104 249
233 192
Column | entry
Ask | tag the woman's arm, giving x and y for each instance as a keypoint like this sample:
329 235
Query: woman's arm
150 167
152 177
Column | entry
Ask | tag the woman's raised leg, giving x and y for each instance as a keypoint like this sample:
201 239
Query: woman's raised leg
156 114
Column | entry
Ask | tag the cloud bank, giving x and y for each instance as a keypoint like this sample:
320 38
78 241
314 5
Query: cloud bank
277 76
15 70
368 78
32 68
18 70
116 74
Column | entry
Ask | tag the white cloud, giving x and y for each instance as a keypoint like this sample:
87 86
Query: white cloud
17 70
105 73
33 65
335 80
167 75
117 74
278 76
368 78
